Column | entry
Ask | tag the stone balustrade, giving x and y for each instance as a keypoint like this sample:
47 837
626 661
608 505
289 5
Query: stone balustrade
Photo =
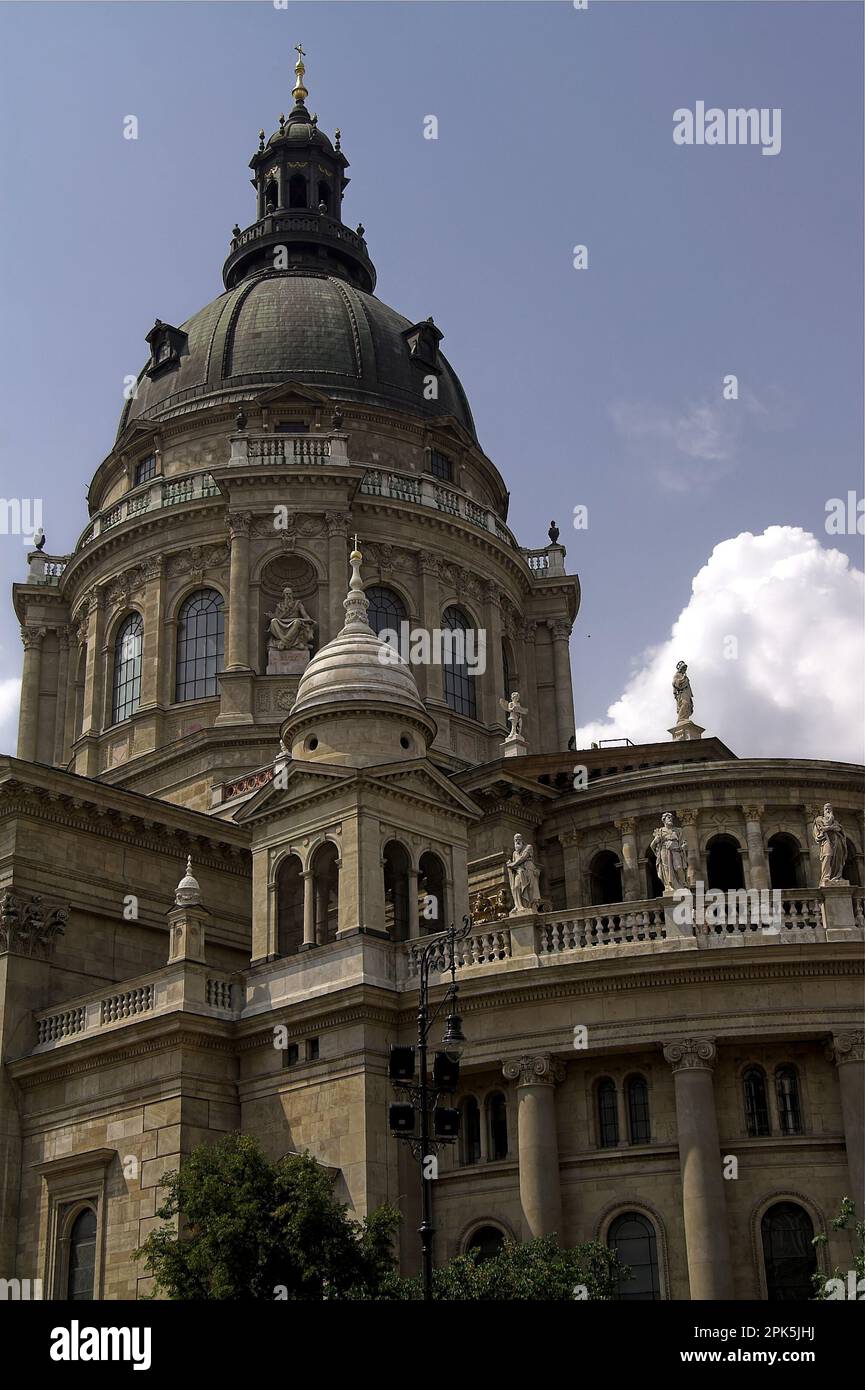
542 941
150 497
258 449
45 569
427 491
184 986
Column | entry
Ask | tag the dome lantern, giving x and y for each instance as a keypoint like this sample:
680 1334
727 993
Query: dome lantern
299 178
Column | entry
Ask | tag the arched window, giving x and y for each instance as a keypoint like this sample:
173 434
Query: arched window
852 869
756 1104
396 867
297 191
654 886
324 193
724 863
788 1254
488 1241
632 1236
785 857
82 1257
605 878
200 645
608 1114
460 687
637 1095
271 195
128 646
325 885
787 1094
432 904
289 906
497 1126
386 611
470 1132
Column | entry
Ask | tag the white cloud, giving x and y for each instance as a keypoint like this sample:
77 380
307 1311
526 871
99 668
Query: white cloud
795 690
9 695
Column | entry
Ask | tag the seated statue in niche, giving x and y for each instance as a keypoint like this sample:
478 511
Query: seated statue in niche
291 628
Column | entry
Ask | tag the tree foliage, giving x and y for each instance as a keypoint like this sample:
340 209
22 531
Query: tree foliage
536 1270
844 1221
242 1227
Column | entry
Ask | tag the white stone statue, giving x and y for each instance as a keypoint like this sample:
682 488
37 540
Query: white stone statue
671 855
515 712
524 877
830 836
683 693
291 628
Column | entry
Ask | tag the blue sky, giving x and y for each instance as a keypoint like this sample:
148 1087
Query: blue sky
599 387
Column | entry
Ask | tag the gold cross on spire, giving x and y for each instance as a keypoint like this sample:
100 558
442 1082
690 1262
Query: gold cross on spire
299 91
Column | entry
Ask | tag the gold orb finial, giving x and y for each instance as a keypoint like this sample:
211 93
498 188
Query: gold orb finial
299 91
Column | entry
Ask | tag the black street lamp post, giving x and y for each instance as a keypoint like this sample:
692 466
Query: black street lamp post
438 1125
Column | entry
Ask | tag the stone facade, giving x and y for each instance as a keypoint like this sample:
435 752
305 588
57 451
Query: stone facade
329 832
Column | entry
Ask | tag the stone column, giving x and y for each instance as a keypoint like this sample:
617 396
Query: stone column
413 914
237 655
62 695
561 631
689 820
574 887
28 722
630 864
495 674
540 1190
153 656
815 868
338 572
706 1235
430 677
308 908
758 864
94 680
529 678
848 1053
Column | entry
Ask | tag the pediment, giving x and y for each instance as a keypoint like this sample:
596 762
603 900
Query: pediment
423 782
302 783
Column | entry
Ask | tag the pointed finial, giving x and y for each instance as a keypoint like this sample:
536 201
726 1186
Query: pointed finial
261 139
355 602
282 122
187 893
299 92
337 135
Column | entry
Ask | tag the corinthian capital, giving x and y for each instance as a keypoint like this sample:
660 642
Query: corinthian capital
239 524
753 812
691 1054
541 1070
848 1047
32 636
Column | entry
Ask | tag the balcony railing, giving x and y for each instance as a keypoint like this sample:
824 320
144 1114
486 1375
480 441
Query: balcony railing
149 497
425 491
195 988
45 569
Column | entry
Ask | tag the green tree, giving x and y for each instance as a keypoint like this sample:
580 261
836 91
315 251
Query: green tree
535 1270
242 1227
844 1221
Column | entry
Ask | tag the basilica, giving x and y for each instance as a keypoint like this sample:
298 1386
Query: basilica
237 812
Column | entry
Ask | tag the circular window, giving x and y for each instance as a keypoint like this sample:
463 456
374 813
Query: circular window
405 741
312 743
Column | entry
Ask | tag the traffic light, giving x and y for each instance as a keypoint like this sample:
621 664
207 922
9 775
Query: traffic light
402 1118
446 1122
401 1063
446 1072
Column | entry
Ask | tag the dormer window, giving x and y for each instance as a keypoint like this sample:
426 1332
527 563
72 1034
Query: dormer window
166 345
145 470
422 341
